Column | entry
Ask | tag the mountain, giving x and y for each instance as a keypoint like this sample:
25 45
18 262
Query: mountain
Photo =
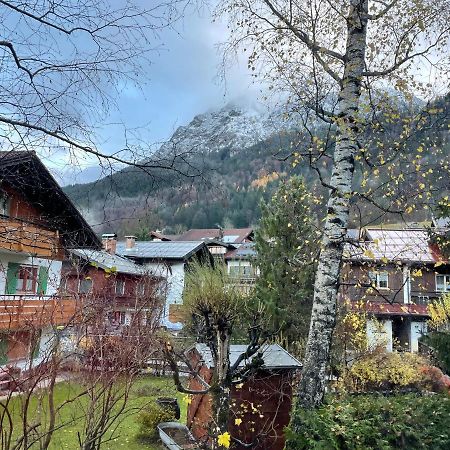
233 158
232 148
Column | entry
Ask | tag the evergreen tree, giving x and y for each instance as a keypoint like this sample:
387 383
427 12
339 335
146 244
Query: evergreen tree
285 242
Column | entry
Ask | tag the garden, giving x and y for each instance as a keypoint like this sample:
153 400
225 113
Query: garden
126 433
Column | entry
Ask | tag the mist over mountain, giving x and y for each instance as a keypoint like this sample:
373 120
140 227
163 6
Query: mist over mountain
240 153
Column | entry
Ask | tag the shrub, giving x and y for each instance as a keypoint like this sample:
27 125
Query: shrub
374 422
440 342
148 420
383 371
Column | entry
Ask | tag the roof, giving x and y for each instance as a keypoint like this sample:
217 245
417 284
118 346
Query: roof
228 235
393 245
163 237
245 251
25 173
107 261
441 222
158 250
275 356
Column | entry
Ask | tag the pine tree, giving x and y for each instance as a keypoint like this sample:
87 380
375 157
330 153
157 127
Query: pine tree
285 242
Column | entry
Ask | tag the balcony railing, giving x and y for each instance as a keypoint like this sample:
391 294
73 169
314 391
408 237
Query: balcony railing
251 279
21 236
424 297
22 311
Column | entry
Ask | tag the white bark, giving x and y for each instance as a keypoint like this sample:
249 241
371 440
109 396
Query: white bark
312 384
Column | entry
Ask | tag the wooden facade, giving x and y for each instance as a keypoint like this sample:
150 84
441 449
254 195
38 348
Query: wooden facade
38 223
260 410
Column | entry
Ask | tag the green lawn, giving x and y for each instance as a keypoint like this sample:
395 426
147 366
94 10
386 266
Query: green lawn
146 389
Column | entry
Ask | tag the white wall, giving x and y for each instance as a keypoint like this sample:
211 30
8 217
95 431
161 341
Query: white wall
175 283
417 330
54 274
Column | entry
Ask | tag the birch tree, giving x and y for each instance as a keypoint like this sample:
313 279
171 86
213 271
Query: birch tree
350 67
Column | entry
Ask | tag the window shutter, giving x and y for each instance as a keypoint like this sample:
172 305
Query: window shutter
11 278
3 349
42 280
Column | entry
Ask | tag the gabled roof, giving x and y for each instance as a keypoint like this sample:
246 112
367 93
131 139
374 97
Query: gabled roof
393 245
245 251
107 261
274 356
160 250
25 173
227 235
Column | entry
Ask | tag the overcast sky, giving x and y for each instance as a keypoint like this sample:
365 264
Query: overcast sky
181 81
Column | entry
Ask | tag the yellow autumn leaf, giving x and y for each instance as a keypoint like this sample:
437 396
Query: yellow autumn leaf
237 421
224 439
369 254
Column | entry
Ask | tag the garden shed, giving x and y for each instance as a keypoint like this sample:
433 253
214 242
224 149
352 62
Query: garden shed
261 405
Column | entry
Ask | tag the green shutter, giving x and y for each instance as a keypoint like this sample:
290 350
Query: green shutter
11 278
3 349
42 280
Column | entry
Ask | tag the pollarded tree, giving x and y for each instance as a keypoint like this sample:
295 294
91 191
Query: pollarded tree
285 241
216 305
351 68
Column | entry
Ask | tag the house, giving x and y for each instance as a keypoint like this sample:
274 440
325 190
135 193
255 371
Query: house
38 226
121 291
169 260
262 403
241 266
392 274
226 235
219 241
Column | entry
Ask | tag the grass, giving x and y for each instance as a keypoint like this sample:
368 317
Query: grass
146 389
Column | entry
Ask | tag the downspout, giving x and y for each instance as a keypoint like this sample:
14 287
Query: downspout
406 285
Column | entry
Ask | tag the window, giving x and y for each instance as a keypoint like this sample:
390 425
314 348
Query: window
27 280
379 279
4 204
443 283
85 286
244 271
120 287
140 288
117 317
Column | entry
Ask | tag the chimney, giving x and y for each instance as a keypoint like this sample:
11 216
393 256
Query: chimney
130 242
109 242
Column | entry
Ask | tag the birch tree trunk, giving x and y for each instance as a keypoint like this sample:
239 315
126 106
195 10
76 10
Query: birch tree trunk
323 318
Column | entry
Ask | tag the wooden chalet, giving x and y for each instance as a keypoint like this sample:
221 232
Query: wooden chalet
392 274
38 225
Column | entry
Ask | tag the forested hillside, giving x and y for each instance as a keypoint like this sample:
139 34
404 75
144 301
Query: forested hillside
242 158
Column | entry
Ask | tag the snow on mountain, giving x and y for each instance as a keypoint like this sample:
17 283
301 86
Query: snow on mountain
232 127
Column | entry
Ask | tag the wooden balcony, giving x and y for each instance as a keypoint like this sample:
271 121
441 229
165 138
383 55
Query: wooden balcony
26 311
21 236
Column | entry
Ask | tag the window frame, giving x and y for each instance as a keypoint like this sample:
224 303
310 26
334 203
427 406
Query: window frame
23 268
446 283
118 283
5 204
89 290
376 280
